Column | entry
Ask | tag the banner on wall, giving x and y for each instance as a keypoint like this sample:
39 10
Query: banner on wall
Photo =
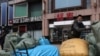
10 15
60 16
4 14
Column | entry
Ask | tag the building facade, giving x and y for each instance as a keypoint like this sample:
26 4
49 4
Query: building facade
27 16
56 16
6 12
59 15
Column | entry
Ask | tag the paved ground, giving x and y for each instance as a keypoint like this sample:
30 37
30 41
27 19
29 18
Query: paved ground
58 45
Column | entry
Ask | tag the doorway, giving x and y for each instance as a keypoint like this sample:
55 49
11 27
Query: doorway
22 29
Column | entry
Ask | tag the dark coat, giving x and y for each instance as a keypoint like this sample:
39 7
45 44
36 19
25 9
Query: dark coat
77 28
2 38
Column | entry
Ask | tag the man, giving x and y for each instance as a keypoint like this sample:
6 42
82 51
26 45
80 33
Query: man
77 27
2 38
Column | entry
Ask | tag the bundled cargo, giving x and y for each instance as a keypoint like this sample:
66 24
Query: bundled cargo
96 31
29 41
92 44
91 39
11 37
44 49
74 47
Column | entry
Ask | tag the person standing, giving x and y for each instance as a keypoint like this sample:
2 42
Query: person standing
2 38
77 27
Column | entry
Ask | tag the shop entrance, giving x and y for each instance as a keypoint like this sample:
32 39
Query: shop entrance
59 33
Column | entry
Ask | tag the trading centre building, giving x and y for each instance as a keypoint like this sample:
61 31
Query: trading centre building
53 18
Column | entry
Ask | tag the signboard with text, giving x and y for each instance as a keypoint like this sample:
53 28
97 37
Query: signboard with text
60 16
27 19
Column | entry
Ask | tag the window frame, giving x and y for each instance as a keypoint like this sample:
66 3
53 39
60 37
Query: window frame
31 5
83 5
20 4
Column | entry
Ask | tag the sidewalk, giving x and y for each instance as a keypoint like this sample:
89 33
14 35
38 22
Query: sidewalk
58 45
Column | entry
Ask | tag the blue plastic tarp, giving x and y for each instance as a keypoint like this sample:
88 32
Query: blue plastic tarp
43 50
44 41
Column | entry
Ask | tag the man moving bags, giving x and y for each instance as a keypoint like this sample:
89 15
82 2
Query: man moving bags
77 27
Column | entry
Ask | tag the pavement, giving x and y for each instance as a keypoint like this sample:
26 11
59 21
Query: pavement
58 45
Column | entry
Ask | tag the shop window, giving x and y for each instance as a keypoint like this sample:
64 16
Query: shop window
34 26
21 10
66 3
35 9
63 5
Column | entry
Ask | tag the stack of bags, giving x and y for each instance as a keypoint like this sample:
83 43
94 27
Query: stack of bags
29 41
40 47
96 32
7 47
92 44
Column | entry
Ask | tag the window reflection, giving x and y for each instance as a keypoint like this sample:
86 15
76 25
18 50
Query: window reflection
66 3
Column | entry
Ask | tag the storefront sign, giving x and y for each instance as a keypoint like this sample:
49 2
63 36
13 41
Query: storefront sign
15 20
10 22
22 20
69 15
26 19
36 18
60 16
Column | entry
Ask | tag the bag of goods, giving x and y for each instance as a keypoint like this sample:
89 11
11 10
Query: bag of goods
92 44
29 41
96 31
74 47
3 53
91 39
98 48
92 50
11 37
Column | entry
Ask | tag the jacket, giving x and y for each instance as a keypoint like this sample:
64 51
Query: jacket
77 28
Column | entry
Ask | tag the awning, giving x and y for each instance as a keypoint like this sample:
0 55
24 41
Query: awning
70 22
